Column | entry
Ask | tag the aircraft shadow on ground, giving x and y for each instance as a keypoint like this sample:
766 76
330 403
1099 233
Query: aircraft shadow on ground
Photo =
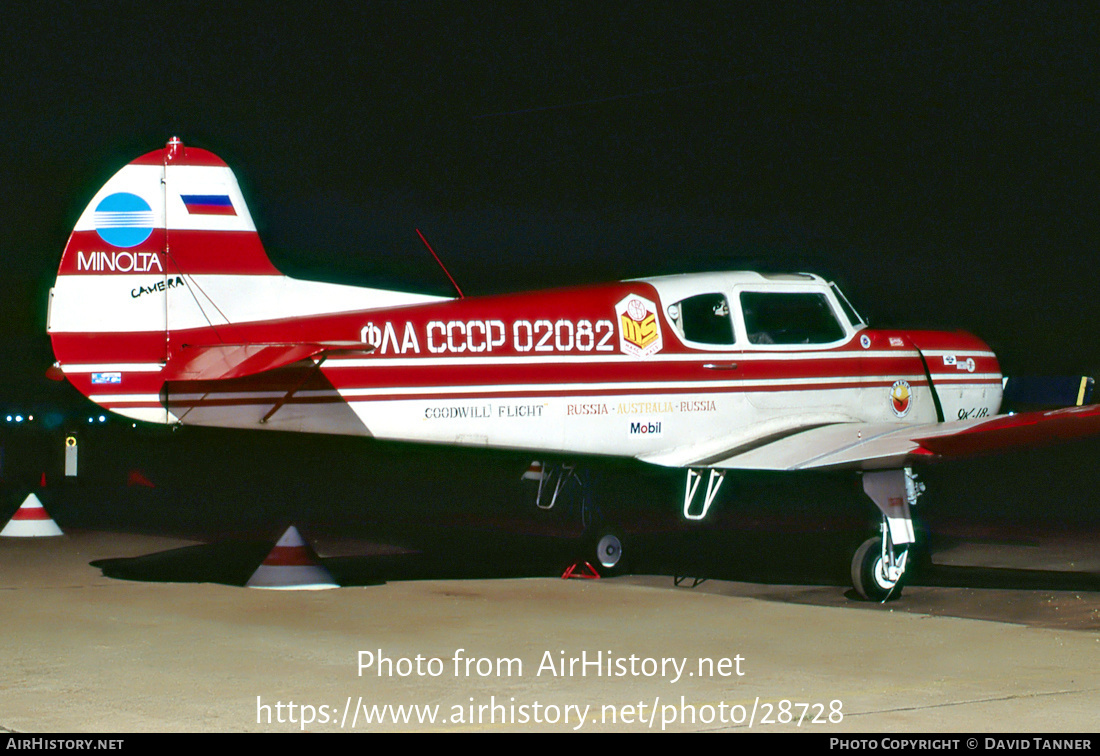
234 562
810 559
228 563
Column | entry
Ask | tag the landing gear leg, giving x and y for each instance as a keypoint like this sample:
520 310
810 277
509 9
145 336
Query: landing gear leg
878 567
551 479
714 482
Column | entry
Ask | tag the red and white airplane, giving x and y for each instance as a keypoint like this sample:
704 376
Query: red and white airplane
166 309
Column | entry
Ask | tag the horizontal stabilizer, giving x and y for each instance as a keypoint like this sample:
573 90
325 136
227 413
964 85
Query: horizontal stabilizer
220 362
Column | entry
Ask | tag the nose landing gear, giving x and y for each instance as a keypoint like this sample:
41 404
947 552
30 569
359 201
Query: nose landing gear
878 566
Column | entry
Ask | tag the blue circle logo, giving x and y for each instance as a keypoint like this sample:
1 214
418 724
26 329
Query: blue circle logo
123 220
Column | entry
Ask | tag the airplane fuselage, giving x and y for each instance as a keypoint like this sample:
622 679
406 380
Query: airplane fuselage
638 368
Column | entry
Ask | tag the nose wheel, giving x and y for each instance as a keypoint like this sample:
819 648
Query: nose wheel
876 573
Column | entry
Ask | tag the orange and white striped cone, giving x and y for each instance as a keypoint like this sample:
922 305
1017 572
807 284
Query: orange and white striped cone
534 471
31 520
292 565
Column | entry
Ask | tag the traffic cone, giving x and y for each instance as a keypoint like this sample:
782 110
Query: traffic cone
31 520
292 565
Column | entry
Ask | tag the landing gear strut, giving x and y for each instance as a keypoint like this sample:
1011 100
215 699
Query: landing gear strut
551 479
714 482
878 567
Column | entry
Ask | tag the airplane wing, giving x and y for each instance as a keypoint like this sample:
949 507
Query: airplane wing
822 442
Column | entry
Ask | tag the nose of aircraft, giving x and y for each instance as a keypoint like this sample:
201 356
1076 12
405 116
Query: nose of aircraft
964 372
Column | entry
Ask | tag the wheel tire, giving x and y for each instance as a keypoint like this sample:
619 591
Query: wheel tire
609 551
868 577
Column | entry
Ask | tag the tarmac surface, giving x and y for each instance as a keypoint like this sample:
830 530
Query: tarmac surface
107 632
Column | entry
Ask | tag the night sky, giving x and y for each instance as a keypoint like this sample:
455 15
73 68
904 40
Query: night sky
941 163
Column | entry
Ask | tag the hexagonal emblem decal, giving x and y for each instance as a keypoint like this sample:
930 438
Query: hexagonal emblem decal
639 327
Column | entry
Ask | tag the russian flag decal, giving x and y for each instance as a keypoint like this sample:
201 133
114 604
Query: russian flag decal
208 204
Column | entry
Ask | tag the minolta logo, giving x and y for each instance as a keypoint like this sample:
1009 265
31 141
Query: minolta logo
645 429
123 219
118 262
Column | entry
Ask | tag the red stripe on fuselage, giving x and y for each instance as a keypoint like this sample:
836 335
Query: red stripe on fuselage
218 398
566 370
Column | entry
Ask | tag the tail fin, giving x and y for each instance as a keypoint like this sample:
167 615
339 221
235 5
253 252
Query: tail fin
166 217
166 253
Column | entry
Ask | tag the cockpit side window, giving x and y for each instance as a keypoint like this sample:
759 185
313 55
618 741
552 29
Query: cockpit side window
789 318
704 319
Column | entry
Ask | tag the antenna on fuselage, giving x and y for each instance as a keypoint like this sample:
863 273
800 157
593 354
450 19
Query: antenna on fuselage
429 246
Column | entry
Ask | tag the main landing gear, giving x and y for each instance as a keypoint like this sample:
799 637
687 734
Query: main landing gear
878 567
559 482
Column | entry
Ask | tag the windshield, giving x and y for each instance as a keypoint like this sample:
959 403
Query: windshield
849 312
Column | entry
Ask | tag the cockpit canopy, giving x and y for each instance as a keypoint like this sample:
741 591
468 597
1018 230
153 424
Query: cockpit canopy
719 310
